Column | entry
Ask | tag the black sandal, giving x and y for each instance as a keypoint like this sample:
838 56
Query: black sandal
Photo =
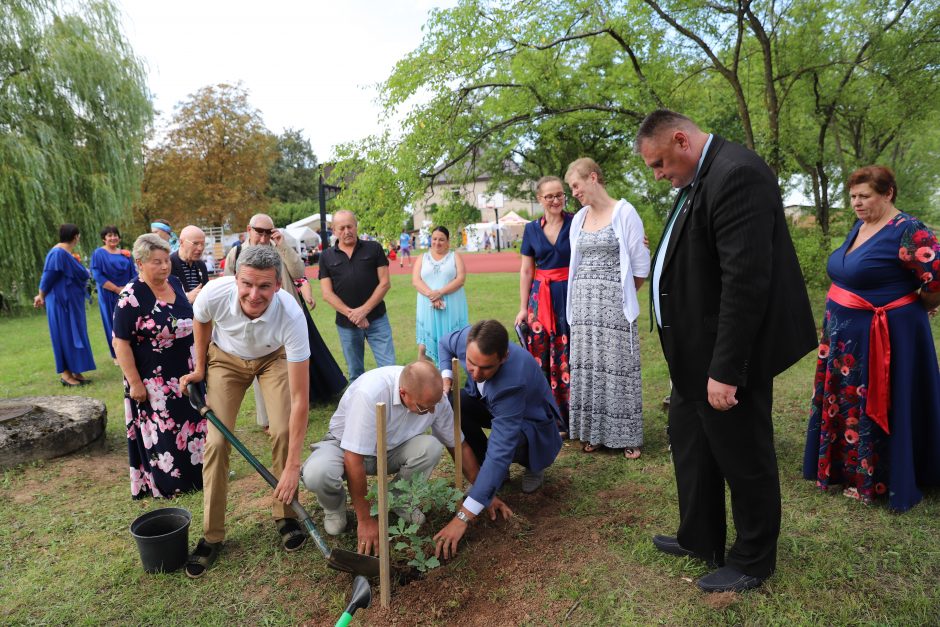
202 558
292 536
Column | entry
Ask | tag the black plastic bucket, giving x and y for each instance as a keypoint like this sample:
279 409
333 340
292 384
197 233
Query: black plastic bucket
162 537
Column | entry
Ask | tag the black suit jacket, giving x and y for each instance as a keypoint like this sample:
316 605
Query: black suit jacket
733 301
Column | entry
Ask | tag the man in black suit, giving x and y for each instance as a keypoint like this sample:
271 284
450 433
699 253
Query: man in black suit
731 306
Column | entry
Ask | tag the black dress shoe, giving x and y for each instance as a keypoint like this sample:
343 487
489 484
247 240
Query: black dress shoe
728 579
670 545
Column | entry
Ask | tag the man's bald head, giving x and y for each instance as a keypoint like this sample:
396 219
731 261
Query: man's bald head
421 380
192 243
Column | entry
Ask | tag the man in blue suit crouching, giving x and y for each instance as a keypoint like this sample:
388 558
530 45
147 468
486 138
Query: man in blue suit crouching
506 392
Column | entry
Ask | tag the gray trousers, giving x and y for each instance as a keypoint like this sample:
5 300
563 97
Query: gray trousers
323 472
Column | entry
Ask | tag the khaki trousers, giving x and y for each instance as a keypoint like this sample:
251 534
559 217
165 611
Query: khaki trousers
228 378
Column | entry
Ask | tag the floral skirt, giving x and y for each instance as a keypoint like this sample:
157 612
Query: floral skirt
551 349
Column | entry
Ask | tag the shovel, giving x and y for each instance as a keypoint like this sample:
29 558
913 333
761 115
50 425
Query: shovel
360 599
337 559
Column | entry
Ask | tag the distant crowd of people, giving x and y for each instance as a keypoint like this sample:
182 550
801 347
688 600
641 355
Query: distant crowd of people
727 299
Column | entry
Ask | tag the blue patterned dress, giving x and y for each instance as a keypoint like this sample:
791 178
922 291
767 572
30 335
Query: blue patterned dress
843 445
551 350
165 435
64 282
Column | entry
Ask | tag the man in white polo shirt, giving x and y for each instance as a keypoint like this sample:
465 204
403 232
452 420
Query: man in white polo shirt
414 399
244 327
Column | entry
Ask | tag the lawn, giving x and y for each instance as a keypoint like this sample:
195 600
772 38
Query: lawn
578 552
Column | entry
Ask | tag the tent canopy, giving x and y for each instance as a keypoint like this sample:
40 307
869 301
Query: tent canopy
311 221
513 218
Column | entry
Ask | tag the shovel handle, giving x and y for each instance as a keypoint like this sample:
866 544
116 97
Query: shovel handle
198 400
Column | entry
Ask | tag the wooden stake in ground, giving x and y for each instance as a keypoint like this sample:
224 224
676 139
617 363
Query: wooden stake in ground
381 458
458 449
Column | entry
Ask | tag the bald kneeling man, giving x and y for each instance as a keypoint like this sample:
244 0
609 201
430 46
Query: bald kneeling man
414 400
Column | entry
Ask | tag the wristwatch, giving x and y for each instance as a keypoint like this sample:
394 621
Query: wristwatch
463 517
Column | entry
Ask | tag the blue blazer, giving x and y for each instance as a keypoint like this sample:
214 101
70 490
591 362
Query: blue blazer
521 402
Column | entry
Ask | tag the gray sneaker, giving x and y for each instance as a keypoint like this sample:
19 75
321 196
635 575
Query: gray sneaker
334 522
531 481
414 517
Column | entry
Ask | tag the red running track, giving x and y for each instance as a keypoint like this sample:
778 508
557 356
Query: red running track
478 263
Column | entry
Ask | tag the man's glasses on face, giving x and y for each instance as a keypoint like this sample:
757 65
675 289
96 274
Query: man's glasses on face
268 232
554 197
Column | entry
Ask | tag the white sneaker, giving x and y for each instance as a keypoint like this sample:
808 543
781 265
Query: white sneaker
414 517
334 522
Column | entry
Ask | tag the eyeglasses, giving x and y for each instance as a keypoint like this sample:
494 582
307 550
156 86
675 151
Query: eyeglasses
554 197
418 409
262 231
421 410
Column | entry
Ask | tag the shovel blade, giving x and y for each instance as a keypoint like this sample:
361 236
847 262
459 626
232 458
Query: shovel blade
352 562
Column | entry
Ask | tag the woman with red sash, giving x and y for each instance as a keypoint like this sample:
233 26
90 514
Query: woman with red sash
874 427
543 290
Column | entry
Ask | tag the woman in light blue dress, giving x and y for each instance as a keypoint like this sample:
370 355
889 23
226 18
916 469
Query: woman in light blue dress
62 291
112 269
438 276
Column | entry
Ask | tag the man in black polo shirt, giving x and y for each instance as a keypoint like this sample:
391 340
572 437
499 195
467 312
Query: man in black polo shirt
186 263
354 280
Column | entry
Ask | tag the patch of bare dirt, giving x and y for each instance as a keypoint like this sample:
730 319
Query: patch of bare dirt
504 567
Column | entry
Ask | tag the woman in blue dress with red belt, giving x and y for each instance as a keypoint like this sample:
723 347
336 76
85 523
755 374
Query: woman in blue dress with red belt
543 289
112 269
62 291
875 421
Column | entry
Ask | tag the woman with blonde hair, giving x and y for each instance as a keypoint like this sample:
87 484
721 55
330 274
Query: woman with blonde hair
609 262
543 290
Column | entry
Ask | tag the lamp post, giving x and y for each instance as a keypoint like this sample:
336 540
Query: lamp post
325 189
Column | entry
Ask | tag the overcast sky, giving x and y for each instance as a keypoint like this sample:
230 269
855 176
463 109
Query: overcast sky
309 65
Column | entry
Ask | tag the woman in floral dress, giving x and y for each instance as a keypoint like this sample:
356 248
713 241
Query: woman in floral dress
153 326
543 290
875 425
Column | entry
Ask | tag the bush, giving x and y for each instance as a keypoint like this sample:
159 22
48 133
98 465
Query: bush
812 249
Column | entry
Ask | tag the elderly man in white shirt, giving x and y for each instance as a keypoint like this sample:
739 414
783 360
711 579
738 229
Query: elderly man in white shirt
414 398
245 327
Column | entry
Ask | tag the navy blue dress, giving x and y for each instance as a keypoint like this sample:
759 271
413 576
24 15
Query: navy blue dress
843 445
120 270
64 283
550 350
165 435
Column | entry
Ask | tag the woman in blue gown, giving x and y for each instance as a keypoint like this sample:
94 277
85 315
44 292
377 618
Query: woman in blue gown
876 431
62 291
112 269
543 280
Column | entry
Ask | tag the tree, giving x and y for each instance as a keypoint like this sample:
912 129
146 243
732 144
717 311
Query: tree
294 175
212 167
817 88
74 109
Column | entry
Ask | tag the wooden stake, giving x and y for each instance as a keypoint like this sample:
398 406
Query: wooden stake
381 455
458 448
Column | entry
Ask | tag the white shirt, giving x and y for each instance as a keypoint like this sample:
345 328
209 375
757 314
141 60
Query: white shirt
661 256
353 422
634 256
282 323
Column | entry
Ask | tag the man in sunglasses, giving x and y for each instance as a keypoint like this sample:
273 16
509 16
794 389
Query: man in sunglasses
261 232
414 399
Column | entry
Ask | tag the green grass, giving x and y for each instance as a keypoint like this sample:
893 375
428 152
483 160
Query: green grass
67 557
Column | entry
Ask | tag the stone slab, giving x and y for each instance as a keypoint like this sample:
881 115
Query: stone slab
43 427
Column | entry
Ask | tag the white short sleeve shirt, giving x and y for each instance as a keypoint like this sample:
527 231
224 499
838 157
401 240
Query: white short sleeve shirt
282 324
353 422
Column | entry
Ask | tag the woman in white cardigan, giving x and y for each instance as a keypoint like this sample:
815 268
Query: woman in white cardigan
609 262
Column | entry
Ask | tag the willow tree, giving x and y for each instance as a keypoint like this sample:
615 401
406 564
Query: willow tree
74 108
